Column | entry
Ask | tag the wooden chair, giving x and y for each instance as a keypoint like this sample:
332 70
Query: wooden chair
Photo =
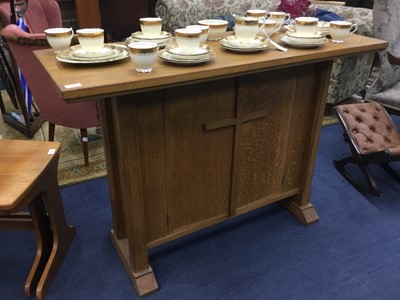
372 137
28 179
40 15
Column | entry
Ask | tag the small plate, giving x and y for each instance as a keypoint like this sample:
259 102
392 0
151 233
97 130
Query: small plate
162 36
117 52
233 44
82 53
296 37
161 43
303 44
175 50
168 57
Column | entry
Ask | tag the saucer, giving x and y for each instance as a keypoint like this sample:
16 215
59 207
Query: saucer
72 55
82 53
233 44
312 43
182 60
176 51
162 36
293 35
161 43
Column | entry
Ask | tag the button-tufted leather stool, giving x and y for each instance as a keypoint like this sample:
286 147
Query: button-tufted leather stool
372 137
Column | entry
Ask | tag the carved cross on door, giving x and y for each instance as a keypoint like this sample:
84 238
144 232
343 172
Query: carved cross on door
237 122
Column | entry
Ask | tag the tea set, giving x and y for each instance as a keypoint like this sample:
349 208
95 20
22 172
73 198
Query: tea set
252 33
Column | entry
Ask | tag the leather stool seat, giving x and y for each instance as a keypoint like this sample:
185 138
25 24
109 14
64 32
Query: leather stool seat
372 137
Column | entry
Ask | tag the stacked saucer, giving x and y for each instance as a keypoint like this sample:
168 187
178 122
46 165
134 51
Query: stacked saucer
172 53
294 39
162 39
78 55
233 44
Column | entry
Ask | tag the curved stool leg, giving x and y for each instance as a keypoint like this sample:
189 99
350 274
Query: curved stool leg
62 234
372 187
44 237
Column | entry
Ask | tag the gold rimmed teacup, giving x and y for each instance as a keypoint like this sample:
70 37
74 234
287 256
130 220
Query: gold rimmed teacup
188 40
217 28
151 27
339 30
246 28
143 55
257 13
91 39
59 38
205 29
306 26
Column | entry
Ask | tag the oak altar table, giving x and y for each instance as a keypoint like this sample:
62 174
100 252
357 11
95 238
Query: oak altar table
190 146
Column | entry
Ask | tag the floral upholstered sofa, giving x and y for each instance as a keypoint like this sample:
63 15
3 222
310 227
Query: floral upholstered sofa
349 74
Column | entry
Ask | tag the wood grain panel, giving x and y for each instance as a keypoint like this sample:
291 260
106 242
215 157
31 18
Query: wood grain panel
152 152
307 92
198 161
263 142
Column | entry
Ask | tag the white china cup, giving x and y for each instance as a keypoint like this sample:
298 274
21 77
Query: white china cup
91 39
339 30
59 38
270 26
257 13
217 28
278 16
143 55
246 28
306 26
151 27
204 31
188 40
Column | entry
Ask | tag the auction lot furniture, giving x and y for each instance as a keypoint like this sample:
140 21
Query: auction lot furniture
373 139
349 74
191 146
28 172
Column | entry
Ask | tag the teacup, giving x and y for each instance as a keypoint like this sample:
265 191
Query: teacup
91 39
339 30
151 27
204 31
59 38
270 26
278 16
188 40
306 26
257 13
143 55
246 28
217 28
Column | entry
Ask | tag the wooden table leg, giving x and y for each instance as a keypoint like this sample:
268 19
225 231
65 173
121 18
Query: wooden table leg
119 132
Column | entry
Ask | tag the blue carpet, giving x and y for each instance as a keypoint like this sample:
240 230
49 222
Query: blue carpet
353 252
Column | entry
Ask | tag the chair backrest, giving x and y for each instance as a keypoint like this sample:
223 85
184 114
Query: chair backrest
386 19
52 107
40 15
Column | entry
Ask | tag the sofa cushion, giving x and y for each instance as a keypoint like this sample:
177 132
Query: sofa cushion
180 13
296 8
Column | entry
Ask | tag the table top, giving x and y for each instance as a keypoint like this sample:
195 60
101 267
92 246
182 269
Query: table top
118 78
